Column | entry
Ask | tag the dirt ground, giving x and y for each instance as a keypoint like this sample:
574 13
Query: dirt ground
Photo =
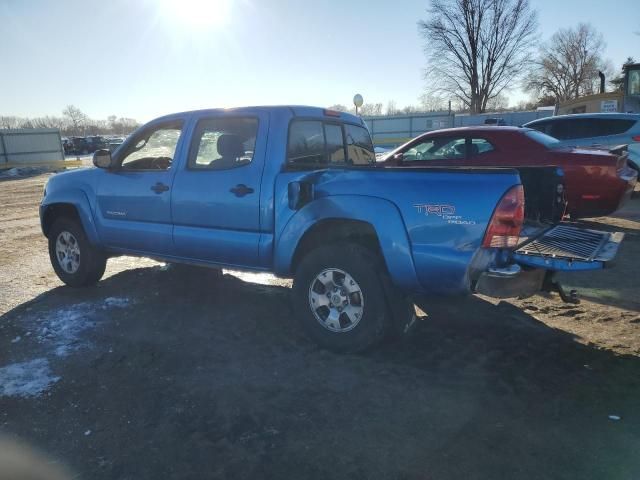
179 373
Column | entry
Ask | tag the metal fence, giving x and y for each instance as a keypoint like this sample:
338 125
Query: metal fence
32 147
391 131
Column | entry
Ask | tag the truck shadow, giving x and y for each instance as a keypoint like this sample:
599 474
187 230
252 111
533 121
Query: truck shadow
201 362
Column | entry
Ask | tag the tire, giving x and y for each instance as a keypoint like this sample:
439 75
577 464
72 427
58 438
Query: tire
345 332
67 234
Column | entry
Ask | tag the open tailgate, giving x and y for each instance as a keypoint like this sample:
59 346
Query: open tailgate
569 248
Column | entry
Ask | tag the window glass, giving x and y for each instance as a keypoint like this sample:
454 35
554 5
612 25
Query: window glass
634 83
335 143
480 146
610 126
153 149
543 139
306 143
559 129
359 146
544 127
438 148
223 143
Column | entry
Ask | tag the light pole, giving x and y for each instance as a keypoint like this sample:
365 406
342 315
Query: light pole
357 101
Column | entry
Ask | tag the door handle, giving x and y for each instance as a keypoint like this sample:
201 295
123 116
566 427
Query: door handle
241 190
160 187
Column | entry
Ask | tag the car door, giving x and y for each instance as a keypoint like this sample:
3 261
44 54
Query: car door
134 199
216 195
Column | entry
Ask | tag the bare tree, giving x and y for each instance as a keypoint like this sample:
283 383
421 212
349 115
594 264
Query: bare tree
432 103
77 119
10 122
568 65
476 48
392 108
371 109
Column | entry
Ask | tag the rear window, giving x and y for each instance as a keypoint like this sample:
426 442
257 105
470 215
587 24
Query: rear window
317 144
359 146
542 138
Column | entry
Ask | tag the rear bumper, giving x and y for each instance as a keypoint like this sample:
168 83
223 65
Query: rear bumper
510 282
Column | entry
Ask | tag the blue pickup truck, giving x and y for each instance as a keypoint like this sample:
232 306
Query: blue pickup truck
296 191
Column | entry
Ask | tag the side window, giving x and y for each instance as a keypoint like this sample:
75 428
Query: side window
335 143
223 143
611 126
480 146
359 146
438 148
153 149
544 127
306 143
559 129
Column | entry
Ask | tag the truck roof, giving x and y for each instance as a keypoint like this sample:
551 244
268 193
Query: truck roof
295 110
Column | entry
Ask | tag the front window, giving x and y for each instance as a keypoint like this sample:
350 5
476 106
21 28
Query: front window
480 146
153 149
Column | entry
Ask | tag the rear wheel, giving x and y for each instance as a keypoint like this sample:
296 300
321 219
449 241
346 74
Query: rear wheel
76 262
339 298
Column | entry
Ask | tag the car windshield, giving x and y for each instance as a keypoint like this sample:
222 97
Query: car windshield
539 137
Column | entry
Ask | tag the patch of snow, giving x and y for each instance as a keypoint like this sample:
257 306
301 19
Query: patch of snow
87 433
26 379
17 339
118 302
62 327
250 277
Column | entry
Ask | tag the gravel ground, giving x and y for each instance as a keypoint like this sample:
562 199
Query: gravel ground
164 372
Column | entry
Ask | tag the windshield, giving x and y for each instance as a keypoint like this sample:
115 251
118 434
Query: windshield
539 137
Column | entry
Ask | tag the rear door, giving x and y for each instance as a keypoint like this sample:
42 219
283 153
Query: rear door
216 195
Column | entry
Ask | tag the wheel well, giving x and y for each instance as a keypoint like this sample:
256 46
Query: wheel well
58 210
337 230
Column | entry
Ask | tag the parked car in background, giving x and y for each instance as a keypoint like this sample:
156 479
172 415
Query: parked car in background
597 182
114 142
600 130
67 145
86 145
495 121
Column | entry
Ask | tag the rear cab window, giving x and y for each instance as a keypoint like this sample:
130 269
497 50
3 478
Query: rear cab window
320 143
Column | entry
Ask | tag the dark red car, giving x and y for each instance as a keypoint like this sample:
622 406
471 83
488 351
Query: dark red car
597 182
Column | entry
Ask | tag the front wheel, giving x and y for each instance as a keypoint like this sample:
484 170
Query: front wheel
339 298
76 262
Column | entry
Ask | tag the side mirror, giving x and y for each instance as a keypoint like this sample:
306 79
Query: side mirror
397 159
102 159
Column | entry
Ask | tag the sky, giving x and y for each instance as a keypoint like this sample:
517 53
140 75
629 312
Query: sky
145 58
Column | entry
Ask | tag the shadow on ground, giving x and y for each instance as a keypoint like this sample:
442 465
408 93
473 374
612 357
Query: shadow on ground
207 376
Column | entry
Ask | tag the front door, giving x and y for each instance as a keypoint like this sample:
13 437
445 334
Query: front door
134 199
216 198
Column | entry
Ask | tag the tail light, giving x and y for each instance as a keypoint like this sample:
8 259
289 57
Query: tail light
636 138
506 222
